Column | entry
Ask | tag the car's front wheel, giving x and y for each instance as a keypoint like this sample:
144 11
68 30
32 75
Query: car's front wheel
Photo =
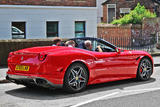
76 78
145 69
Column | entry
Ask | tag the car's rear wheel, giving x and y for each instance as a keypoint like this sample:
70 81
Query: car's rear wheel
145 69
76 78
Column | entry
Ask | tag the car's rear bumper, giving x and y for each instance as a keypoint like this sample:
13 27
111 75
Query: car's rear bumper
29 80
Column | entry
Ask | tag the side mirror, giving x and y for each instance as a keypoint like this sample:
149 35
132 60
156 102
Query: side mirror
118 50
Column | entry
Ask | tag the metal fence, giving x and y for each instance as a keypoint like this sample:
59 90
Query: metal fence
134 43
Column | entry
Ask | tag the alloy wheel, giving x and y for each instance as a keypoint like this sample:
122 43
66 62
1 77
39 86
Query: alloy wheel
77 78
145 69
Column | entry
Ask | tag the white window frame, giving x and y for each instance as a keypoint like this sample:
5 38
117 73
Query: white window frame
107 10
17 21
85 22
46 27
125 8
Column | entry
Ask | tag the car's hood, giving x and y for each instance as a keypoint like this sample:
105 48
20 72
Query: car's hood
136 52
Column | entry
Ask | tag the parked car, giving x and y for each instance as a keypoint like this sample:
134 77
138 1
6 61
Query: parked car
75 68
17 33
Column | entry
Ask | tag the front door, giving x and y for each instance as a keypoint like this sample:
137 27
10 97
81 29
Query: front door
111 64
111 12
106 62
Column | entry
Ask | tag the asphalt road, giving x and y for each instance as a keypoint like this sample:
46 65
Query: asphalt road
126 93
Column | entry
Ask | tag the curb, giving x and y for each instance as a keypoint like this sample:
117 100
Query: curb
155 54
156 65
4 81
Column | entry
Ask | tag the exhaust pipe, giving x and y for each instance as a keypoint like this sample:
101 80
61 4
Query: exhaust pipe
39 81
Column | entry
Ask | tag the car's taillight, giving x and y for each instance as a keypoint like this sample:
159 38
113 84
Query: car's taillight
42 56
10 54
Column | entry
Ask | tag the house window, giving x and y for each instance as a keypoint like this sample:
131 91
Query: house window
79 29
18 30
124 11
52 29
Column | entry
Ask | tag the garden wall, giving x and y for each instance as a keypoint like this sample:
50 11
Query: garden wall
150 26
7 46
123 33
137 35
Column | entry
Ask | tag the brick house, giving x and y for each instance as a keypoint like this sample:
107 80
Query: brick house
113 9
32 19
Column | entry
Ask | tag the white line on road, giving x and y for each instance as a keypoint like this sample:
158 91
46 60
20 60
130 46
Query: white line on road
139 90
92 100
109 95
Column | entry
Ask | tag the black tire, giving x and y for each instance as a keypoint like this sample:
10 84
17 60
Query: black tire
145 69
76 78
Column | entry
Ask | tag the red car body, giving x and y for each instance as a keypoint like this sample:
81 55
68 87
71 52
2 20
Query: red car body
48 64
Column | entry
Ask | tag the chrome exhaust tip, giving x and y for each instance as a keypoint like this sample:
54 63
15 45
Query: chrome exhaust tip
39 81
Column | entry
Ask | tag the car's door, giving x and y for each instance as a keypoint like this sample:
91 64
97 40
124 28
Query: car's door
110 63
128 63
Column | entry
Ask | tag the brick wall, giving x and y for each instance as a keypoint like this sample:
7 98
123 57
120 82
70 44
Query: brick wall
110 32
83 3
136 34
105 11
140 34
107 30
150 26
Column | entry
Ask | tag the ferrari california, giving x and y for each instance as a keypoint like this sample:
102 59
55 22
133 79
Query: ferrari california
75 68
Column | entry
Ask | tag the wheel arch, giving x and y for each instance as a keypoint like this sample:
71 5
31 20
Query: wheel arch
81 62
141 58
151 62
149 58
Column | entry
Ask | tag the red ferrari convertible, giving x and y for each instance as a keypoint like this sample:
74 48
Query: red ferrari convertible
75 68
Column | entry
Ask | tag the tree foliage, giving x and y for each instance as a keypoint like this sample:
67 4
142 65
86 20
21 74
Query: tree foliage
135 16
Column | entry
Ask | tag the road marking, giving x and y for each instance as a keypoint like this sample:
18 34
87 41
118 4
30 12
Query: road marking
92 100
109 95
138 90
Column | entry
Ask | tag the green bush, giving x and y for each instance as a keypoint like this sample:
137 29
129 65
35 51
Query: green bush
135 16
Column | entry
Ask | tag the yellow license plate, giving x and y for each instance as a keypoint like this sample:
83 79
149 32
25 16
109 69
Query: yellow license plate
22 68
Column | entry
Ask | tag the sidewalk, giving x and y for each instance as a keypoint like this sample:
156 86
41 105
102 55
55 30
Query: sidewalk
156 60
3 71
